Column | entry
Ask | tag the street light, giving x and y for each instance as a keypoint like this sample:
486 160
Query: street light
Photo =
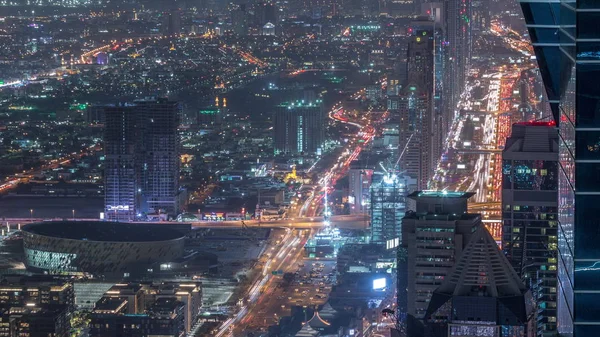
73 215
31 215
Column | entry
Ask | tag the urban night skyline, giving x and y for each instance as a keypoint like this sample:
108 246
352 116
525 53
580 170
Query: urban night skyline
311 168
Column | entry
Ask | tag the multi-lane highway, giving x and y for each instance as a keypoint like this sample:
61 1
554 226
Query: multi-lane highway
366 125
280 258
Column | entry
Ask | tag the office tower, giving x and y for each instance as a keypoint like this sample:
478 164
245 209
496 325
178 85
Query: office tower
434 236
442 117
530 212
239 20
298 127
419 134
482 296
561 34
160 173
420 53
171 24
267 12
388 206
141 144
360 177
121 163
458 30
414 146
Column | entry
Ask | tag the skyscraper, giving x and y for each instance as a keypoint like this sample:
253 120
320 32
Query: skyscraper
562 35
171 24
160 173
419 140
142 159
267 12
530 212
121 164
414 108
458 29
239 20
298 127
434 237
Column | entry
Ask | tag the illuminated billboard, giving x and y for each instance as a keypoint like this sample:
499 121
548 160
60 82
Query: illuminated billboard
379 283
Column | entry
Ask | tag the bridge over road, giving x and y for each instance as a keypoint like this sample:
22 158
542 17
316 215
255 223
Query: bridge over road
339 221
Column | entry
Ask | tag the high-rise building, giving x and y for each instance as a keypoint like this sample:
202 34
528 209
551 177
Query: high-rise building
141 144
122 158
482 296
160 173
562 35
388 206
171 24
434 237
458 30
267 12
298 127
442 116
530 212
414 146
239 20
420 53
360 177
419 123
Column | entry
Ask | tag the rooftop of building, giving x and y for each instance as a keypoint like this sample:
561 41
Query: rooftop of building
17 280
440 194
165 304
103 231
110 305
124 288
532 137
441 216
176 288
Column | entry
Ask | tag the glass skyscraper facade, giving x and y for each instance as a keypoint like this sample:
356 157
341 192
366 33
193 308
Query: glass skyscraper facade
566 39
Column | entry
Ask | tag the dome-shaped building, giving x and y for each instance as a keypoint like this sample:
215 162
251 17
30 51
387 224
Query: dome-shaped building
99 248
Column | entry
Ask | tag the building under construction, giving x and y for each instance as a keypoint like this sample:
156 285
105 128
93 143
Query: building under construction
388 206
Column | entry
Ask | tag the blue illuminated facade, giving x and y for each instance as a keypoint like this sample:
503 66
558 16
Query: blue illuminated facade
566 39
